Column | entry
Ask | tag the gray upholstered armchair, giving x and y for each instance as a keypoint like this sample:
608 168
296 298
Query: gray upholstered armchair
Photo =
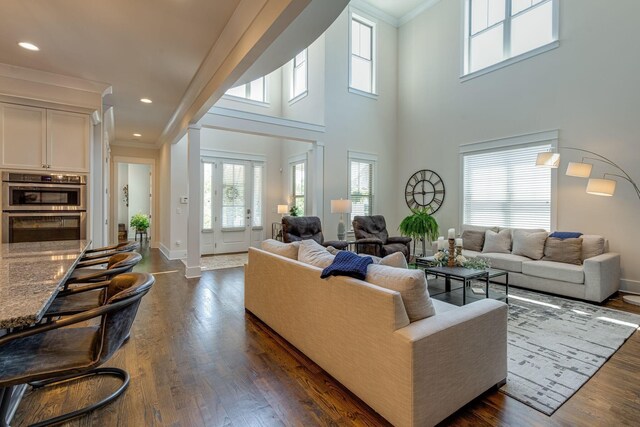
296 228
372 237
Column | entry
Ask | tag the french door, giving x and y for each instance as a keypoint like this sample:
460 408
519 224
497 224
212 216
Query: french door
232 205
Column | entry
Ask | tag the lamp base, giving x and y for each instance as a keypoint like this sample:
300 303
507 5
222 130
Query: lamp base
341 230
632 299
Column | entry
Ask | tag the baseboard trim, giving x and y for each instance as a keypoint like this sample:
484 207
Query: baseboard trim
171 255
630 286
192 272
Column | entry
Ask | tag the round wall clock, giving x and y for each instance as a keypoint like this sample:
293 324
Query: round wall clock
424 189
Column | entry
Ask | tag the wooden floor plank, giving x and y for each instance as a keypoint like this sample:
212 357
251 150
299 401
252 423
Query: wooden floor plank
196 358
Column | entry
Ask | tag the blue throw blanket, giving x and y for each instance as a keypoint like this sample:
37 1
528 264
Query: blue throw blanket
565 234
348 264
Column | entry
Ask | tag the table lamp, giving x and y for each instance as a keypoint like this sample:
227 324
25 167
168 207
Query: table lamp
342 207
283 209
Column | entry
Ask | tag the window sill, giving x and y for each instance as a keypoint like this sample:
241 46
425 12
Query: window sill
363 93
298 97
510 61
246 101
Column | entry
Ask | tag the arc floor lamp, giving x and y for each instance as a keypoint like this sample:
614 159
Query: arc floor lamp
597 186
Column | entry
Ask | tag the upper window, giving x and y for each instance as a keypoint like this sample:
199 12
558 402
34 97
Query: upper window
361 185
299 75
362 54
503 187
498 30
254 91
298 185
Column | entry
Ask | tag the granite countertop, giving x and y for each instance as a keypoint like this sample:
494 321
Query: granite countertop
30 277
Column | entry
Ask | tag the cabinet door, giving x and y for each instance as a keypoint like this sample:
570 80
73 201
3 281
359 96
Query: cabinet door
23 140
68 141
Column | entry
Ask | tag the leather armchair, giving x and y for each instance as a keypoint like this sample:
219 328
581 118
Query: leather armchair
373 238
297 228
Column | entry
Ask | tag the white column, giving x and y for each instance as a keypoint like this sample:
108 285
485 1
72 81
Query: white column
193 220
315 160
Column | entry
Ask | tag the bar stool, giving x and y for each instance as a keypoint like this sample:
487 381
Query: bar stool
59 351
107 251
115 264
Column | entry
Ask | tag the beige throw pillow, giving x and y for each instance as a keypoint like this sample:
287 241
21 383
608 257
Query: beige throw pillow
568 251
473 240
312 252
396 260
498 243
288 250
592 245
529 244
412 285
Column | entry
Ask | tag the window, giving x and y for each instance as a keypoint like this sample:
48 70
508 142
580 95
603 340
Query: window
207 196
504 188
254 91
233 195
298 171
362 55
299 75
361 185
497 30
258 185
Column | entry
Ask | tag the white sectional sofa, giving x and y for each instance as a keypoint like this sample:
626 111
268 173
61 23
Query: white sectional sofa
597 278
412 373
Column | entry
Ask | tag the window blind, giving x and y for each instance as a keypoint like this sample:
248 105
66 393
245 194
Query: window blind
361 187
233 195
256 216
505 188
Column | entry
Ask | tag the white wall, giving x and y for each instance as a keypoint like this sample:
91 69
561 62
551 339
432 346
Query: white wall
123 179
586 88
139 190
179 187
164 198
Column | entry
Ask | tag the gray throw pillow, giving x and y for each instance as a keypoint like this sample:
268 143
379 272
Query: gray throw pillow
568 251
592 245
288 250
528 244
473 240
311 252
497 243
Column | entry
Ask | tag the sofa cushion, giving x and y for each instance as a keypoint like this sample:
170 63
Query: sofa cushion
563 250
554 270
348 264
473 240
312 252
412 285
529 244
396 260
592 245
497 242
470 254
478 228
509 262
287 250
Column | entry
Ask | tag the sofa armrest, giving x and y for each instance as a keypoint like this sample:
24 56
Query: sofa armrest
399 239
369 240
601 276
338 244
469 344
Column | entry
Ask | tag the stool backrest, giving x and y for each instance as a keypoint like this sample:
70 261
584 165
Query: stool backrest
124 259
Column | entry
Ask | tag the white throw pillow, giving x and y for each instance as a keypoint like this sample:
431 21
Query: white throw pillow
529 244
288 250
412 285
396 260
497 243
312 252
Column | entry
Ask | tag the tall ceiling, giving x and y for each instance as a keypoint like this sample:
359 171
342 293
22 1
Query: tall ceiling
396 8
170 51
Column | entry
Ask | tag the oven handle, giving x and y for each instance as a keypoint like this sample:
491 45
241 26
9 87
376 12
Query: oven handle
48 213
26 186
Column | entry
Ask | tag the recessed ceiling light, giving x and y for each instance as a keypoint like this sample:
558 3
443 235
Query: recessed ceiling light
137 135
28 46
146 100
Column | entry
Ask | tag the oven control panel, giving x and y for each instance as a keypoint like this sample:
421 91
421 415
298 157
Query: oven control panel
43 178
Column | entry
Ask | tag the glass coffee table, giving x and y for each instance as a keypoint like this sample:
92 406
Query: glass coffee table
466 276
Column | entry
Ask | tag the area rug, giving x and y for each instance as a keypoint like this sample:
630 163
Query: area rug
218 262
555 345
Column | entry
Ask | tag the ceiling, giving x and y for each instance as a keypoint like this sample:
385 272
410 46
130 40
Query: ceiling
396 8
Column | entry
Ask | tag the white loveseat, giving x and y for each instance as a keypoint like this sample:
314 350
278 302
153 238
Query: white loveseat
595 280
413 374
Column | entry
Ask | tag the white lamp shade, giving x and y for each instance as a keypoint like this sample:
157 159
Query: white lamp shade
283 209
341 206
601 187
580 170
548 159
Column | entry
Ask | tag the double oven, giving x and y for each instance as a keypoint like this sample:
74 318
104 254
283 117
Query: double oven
43 207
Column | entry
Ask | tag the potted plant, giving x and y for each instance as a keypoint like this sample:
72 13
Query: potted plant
140 222
294 211
420 225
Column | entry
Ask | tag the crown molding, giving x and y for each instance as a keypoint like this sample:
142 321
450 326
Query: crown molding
374 12
38 76
417 11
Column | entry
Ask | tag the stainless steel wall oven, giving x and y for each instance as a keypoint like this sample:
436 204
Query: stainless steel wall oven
37 207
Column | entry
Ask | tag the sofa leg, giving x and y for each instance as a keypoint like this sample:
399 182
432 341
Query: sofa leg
501 383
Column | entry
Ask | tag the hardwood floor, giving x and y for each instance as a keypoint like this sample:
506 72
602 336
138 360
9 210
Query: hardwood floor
196 358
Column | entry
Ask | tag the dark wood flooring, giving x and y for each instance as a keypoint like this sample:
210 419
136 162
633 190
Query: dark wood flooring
196 358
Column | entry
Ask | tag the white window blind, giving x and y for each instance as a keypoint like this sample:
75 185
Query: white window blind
233 195
361 187
298 182
505 188
362 54
258 171
207 196
299 76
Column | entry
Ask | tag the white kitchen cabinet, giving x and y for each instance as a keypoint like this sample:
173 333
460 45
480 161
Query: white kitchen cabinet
37 138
